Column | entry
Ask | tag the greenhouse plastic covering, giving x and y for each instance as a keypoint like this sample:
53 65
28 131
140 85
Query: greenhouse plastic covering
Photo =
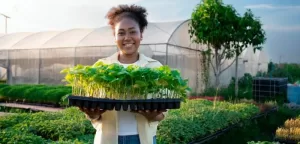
39 57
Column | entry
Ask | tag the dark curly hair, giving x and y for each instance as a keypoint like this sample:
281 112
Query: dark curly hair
136 13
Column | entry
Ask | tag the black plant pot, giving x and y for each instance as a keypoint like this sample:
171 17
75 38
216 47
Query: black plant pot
154 104
132 105
125 105
148 105
170 104
162 105
94 104
118 105
140 104
111 104
79 103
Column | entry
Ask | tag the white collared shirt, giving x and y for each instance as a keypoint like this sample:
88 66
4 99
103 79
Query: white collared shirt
108 129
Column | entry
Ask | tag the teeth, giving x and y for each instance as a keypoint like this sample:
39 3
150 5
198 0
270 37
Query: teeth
128 45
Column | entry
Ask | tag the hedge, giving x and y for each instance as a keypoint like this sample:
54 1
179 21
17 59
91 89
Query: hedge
259 129
66 126
199 118
42 94
196 118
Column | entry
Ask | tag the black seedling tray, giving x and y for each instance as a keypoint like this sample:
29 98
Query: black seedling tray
110 104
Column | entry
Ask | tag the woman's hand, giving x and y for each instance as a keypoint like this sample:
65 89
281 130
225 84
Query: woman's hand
152 115
92 114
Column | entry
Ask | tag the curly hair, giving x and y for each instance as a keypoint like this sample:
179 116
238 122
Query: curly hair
136 13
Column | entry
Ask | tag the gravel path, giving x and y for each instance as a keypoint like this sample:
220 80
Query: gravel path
33 107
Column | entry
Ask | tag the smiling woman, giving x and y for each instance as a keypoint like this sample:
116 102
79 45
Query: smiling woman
128 24
126 127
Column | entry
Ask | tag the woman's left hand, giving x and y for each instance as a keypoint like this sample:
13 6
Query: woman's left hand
152 115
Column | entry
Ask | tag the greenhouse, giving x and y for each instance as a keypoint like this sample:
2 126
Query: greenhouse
38 58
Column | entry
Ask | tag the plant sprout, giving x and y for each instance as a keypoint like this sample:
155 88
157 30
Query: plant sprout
114 81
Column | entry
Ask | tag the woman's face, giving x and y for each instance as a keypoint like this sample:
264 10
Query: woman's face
128 36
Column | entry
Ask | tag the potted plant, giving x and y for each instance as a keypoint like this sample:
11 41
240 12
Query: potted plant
290 132
112 86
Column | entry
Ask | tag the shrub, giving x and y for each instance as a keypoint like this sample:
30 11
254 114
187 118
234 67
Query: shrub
35 93
11 136
260 129
198 118
69 124
290 130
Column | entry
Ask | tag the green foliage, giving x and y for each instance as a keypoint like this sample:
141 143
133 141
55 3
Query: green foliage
11 136
226 92
205 62
245 86
245 90
260 129
195 119
3 85
68 126
198 118
225 32
213 23
249 32
115 81
262 142
244 82
290 71
15 110
85 139
34 93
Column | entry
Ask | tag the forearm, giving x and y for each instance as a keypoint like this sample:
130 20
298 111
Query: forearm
156 118
93 118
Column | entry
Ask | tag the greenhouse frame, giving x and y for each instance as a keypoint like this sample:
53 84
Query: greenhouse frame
38 58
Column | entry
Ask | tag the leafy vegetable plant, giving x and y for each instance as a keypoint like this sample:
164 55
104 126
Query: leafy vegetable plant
290 130
114 81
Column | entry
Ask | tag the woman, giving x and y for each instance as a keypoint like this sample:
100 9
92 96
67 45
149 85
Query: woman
126 127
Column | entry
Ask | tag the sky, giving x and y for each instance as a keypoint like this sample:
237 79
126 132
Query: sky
280 18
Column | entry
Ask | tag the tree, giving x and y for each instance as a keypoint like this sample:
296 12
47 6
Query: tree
249 33
226 33
214 24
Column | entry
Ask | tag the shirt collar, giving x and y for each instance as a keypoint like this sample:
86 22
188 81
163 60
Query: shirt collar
143 60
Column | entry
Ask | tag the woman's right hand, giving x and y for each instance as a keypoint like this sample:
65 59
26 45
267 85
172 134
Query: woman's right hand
92 114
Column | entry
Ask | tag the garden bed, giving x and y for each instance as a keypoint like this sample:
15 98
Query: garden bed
289 133
261 128
16 110
211 98
200 118
194 119
220 132
42 95
68 126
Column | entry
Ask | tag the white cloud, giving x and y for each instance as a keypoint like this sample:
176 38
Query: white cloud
270 6
292 28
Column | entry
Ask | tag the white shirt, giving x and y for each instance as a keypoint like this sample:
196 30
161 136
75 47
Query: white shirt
126 119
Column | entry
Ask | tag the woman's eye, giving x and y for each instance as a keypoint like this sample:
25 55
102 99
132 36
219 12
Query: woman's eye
121 33
133 32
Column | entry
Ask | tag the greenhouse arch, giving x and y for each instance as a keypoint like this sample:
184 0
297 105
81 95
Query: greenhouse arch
38 58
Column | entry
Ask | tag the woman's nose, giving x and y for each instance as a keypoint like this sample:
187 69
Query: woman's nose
127 36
